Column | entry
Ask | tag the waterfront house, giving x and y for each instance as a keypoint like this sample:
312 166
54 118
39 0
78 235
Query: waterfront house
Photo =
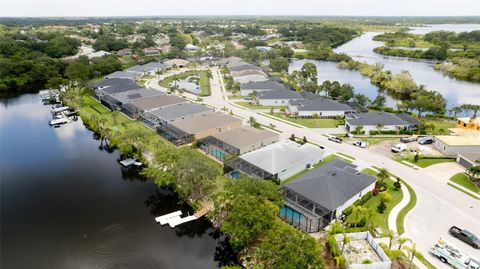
115 100
277 161
189 129
169 114
466 126
313 200
138 107
374 121
112 86
122 74
319 107
276 97
237 141
261 86
151 52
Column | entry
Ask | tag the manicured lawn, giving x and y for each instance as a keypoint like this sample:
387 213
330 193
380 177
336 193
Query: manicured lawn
250 106
375 140
467 193
441 125
310 123
400 222
204 80
426 162
381 220
463 180
236 97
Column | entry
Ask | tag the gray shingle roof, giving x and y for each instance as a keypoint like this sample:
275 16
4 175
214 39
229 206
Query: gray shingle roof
157 102
243 66
179 111
279 94
408 118
154 65
282 155
122 74
135 94
114 86
320 104
263 85
375 118
244 136
332 184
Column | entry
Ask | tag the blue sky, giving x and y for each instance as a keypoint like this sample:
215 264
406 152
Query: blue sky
35 8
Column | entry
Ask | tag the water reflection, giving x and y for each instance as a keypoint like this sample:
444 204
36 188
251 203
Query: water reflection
67 204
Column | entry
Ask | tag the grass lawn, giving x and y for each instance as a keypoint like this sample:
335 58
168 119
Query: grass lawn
467 193
441 125
204 80
236 97
463 180
250 106
381 220
426 162
400 221
310 123
375 140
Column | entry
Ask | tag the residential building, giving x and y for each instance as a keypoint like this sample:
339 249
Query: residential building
374 121
125 52
452 145
466 126
261 86
319 107
112 86
151 51
313 200
97 54
469 159
191 47
263 49
115 100
172 113
176 63
138 107
237 141
249 78
277 97
241 66
187 130
122 74
277 161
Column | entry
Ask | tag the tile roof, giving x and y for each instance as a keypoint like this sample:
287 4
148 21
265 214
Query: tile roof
205 122
244 136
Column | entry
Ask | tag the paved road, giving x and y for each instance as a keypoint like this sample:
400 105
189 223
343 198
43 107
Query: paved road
439 206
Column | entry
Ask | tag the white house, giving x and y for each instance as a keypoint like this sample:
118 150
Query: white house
452 145
279 161
322 107
277 97
372 121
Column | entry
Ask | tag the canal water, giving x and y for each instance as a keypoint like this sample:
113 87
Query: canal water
65 203
361 49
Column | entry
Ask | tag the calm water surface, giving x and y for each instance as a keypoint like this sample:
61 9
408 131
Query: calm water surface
65 203
361 49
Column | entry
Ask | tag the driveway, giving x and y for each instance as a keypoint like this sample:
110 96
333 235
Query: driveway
443 171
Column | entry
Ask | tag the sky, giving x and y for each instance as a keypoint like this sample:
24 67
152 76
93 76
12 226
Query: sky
82 8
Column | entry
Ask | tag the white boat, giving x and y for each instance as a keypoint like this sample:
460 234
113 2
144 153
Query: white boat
58 121
60 109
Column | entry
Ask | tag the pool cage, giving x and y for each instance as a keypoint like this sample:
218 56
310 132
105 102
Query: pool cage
303 213
239 165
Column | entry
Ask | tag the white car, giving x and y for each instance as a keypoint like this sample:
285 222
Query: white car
360 144
399 148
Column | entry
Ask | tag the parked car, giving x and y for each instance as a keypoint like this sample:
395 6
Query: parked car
425 140
399 148
335 139
361 144
408 139
465 236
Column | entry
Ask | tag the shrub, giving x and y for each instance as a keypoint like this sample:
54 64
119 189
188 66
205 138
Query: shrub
381 207
397 184
386 197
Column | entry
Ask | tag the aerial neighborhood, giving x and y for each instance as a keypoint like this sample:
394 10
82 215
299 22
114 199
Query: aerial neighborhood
247 137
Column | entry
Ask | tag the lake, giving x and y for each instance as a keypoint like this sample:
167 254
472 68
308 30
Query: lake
66 203
361 49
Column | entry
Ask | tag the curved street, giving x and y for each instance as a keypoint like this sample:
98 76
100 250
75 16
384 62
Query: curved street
438 207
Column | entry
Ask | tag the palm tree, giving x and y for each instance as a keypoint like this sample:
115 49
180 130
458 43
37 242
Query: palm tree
253 97
252 121
430 126
335 227
379 127
337 260
401 241
358 129
473 171
357 214
345 241
391 237
411 253
369 214
382 175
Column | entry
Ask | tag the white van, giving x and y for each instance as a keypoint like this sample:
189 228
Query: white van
399 148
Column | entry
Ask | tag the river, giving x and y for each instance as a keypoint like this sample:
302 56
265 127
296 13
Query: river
361 49
65 203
